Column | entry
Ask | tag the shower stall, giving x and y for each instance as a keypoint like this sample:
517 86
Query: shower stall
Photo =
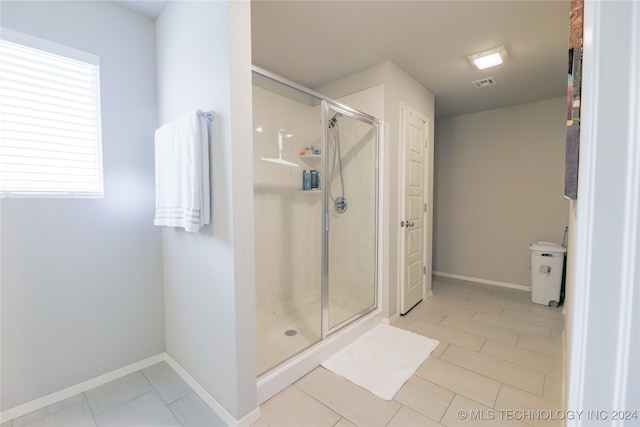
316 222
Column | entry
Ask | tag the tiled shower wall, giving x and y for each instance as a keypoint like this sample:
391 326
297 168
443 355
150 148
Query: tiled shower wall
287 219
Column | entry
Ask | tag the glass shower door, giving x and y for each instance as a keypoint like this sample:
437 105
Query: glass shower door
351 155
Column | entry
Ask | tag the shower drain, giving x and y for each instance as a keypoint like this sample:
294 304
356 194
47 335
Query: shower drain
290 332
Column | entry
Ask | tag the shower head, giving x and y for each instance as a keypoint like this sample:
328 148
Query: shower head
333 120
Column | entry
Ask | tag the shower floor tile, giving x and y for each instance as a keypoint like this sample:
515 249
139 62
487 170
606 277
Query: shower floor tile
288 327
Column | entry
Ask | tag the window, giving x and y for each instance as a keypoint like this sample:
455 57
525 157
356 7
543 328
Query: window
50 136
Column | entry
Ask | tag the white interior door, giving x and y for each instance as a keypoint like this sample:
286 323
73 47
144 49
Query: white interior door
413 219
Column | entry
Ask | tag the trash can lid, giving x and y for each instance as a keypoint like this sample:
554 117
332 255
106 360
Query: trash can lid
547 247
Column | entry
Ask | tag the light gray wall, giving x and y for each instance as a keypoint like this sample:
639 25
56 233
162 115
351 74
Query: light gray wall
499 186
203 62
81 278
400 87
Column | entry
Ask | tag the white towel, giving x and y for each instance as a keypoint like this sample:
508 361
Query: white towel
182 173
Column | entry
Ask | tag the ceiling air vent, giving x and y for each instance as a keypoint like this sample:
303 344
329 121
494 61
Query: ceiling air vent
489 81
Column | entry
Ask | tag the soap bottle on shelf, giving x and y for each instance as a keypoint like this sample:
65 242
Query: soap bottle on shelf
306 180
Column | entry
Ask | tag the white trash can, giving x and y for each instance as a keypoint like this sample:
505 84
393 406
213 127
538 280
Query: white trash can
547 263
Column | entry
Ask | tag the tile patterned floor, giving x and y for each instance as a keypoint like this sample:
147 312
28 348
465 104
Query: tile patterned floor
498 354
154 396
499 361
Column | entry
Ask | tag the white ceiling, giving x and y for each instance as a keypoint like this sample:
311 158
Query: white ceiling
316 42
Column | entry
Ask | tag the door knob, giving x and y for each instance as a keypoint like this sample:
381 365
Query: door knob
410 223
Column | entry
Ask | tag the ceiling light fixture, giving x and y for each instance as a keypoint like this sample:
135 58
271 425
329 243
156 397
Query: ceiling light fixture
489 58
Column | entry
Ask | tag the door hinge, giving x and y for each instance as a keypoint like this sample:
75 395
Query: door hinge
424 269
425 207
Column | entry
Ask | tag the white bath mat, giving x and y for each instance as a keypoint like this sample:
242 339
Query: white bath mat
382 360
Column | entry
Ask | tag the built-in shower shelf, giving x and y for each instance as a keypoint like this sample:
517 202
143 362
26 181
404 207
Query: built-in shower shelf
310 157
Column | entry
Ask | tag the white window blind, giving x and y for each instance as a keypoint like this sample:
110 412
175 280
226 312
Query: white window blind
50 136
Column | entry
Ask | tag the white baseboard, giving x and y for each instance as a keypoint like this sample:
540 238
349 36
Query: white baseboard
225 416
390 320
74 390
485 281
